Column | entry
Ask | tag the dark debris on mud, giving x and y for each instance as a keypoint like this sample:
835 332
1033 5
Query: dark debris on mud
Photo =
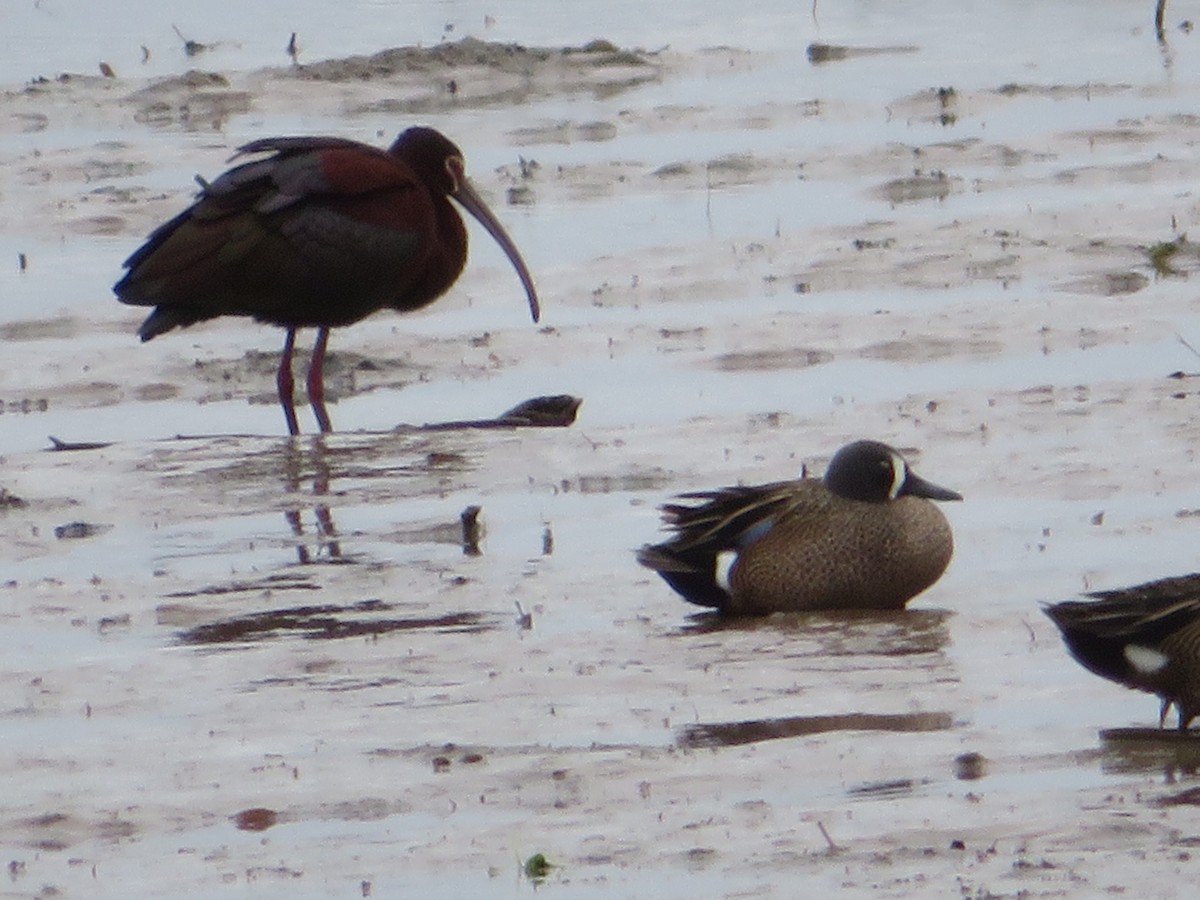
329 622
731 734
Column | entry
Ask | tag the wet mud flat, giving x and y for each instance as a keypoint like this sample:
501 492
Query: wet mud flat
235 661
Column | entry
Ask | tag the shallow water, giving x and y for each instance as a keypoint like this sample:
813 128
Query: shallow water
746 260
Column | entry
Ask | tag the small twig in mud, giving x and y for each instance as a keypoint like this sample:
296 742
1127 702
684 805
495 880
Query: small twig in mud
292 50
22 262
1182 340
190 47
524 619
833 848
1160 11
471 530
708 189
62 446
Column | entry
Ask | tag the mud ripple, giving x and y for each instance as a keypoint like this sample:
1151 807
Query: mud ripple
753 731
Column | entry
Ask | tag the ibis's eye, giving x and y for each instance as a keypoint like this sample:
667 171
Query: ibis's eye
456 168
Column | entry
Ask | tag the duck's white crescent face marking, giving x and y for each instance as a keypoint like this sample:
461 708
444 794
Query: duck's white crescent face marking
724 569
899 473
1146 660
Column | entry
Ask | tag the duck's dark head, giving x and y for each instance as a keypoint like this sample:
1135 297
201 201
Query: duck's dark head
873 472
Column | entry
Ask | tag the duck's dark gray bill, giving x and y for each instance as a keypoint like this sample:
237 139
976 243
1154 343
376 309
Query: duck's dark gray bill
918 487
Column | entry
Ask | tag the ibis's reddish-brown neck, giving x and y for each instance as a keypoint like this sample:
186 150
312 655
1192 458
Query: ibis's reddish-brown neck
427 153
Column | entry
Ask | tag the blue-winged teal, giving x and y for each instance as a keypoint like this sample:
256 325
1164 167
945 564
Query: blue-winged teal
1145 637
862 537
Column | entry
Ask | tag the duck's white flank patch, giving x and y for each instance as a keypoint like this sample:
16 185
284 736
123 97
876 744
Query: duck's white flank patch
724 566
899 473
1146 660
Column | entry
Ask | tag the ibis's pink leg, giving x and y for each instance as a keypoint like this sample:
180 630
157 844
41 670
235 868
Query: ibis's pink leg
285 383
316 381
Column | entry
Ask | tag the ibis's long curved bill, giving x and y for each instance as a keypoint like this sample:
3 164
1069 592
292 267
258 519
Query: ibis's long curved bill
473 203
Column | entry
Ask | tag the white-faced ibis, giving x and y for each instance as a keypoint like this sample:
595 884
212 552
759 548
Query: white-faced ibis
322 233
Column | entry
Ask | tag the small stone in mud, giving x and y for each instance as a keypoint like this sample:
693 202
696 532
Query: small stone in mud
671 170
521 196
537 867
599 45
11 501
255 819
970 766
441 764
820 53
108 623
79 530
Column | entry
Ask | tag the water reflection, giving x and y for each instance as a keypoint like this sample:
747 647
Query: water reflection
849 633
1146 750
296 477
466 532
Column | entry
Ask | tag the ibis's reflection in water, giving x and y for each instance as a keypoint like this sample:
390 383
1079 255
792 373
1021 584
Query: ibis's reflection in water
304 466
